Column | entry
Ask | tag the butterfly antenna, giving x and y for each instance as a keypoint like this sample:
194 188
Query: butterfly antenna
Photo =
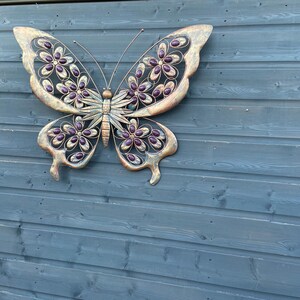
117 65
94 59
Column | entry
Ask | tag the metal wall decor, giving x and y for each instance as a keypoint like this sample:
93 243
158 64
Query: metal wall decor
156 83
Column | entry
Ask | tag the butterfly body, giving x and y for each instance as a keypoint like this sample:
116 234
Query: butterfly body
159 82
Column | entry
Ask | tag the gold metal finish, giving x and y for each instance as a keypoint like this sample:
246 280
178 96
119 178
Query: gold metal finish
156 87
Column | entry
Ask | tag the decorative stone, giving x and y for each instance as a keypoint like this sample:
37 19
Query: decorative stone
157 69
128 142
48 58
81 85
134 100
167 91
156 93
142 96
138 142
47 45
73 87
56 130
59 68
142 88
57 55
131 129
79 155
64 90
175 43
72 95
133 86
153 62
168 59
125 134
62 60
82 141
78 125
131 157
49 88
161 53
152 140
74 139
75 72
60 137
167 68
85 93
139 73
155 132
139 132
49 67
72 131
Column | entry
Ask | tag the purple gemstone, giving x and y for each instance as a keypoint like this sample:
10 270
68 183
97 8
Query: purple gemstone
156 93
87 132
168 59
125 134
152 140
72 95
139 132
48 58
78 99
175 43
142 88
131 157
138 142
81 85
156 69
59 68
131 93
79 155
73 87
167 91
47 45
156 132
64 90
57 55
82 141
161 53
153 62
128 142
142 96
133 86
49 88
49 67
74 139
56 131
134 100
72 131
85 93
78 125
62 60
60 137
167 68
139 73
131 129
75 72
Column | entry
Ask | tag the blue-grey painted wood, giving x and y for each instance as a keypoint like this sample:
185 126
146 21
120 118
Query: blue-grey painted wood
224 221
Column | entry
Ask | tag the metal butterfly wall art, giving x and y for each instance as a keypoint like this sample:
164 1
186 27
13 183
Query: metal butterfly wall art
155 83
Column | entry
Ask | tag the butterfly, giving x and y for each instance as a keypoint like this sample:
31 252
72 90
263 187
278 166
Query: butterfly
155 83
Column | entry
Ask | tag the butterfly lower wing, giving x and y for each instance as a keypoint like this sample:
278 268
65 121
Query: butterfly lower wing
70 140
161 81
61 81
143 143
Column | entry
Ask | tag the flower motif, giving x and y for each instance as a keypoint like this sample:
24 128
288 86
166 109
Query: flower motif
75 134
156 138
134 136
57 60
164 63
74 92
138 92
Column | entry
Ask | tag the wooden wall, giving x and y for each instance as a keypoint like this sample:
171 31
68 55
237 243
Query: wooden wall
224 221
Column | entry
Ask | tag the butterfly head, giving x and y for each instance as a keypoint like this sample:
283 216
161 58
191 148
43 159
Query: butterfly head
107 94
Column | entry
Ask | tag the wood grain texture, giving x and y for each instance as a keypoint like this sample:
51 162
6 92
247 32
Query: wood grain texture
224 221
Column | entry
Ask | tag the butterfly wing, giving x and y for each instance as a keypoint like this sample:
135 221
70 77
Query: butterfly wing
60 81
143 143
161 79
159 83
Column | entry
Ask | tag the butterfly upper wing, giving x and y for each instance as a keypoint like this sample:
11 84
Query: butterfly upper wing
62 83
165 74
